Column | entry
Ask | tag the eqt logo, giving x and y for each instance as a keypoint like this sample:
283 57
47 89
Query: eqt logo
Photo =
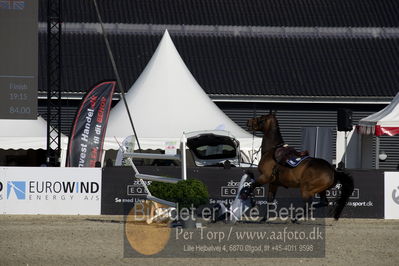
395 197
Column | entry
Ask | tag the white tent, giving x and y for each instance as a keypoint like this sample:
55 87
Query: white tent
384 122
27 134
166 101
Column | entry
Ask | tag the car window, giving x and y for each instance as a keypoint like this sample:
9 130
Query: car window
220 151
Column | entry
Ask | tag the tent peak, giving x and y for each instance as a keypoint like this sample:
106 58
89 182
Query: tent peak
166 37
166 101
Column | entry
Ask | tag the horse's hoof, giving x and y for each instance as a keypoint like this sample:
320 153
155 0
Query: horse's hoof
245 193
295 221
320 204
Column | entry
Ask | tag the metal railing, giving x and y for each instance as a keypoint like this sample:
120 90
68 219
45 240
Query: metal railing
182 158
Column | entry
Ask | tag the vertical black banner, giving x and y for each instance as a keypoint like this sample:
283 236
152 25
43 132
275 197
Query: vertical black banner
88 132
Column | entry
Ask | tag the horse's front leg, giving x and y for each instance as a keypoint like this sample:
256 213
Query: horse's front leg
271 196
256 182
262 180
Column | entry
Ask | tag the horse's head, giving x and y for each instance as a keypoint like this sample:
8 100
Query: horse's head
263 123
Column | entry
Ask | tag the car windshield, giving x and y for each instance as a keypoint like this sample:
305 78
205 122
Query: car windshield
220 151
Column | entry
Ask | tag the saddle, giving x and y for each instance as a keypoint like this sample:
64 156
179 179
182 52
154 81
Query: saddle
288 156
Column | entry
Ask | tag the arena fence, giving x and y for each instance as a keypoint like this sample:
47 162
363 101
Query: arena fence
113 190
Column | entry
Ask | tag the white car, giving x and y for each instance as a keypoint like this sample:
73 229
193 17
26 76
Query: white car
215 148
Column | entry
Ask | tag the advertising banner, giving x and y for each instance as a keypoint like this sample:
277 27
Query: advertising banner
42 190
367 199
88 132
391 189
120 187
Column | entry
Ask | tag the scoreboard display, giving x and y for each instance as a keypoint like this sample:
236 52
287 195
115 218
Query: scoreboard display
18 59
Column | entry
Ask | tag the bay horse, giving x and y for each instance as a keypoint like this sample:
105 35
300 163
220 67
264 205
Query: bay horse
312 175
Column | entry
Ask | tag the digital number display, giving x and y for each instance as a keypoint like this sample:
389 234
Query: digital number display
19 59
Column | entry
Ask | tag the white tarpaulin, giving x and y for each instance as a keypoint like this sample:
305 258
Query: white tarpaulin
27 134
384 122
166 101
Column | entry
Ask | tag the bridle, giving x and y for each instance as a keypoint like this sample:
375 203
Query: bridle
262 122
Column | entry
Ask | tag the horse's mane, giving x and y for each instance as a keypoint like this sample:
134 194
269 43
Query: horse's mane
273 138
276 130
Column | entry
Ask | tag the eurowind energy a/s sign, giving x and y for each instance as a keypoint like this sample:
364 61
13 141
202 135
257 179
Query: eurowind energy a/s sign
40 190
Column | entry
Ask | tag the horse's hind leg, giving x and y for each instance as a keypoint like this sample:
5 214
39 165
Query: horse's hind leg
308 190
318 182
323 200
306 211
302 213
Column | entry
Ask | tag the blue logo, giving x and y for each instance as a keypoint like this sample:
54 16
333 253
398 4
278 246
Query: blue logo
19 188
12 4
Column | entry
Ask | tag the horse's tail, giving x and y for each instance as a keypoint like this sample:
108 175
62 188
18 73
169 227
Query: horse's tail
346 181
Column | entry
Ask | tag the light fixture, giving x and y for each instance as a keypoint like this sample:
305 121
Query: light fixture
382 156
